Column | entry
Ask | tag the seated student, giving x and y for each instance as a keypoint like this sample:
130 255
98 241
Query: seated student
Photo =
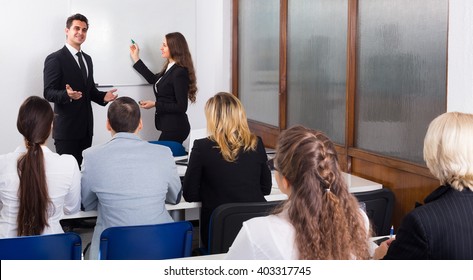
230 165
441 228
37 186
127 179
320 220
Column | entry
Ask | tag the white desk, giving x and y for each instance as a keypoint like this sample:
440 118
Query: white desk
190 210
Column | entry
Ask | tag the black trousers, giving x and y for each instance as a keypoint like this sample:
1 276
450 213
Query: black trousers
73 147
175 135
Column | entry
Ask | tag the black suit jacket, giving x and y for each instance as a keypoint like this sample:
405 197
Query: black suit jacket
171 94
214 181
74 118
440 229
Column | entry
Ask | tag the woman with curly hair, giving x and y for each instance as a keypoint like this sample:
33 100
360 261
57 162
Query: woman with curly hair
320 220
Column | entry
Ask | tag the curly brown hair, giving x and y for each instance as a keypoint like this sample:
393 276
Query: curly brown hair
326 217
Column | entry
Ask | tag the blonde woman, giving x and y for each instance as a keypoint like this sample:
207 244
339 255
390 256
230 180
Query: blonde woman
320 220
230 165
442 227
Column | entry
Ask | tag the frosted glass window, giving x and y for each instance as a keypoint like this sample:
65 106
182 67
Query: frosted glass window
317 50
259 59
401 74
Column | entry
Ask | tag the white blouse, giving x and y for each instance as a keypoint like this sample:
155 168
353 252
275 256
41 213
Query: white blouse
62 178
267 238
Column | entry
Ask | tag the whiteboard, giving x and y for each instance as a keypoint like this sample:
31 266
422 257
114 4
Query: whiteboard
112 25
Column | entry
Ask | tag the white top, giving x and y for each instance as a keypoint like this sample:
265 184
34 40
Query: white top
267 238
62 178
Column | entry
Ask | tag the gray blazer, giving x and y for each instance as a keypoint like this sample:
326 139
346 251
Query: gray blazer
127 180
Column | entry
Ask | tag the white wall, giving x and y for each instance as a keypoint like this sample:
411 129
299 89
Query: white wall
28 36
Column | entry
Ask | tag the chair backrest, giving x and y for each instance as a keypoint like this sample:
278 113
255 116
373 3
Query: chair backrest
147 242
379 209
227 220
176 148
63 246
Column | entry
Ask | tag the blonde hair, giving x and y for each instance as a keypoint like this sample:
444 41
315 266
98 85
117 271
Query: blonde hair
326 217
448 150
227 125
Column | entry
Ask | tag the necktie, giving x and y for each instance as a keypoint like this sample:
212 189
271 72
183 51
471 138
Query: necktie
82 66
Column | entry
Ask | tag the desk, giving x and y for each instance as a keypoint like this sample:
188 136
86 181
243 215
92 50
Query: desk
190 210
222 256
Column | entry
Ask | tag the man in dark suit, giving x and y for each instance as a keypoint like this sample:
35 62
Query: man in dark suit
69 84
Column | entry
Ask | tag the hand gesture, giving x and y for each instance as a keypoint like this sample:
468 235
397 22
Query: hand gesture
74 95
110 95
147 104
135 52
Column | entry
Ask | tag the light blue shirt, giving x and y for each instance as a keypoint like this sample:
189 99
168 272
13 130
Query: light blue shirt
128 181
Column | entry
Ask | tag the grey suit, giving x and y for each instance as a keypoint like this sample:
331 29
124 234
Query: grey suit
128 180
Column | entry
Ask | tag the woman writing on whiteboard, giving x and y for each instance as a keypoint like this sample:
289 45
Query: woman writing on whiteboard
172 87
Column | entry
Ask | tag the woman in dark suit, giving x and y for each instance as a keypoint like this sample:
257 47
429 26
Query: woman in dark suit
230 165
172 87
442 227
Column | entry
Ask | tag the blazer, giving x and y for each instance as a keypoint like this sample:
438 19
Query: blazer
214 181
439 229
73 118
128 181
171 91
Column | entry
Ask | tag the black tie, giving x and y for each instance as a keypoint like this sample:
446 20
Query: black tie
82 66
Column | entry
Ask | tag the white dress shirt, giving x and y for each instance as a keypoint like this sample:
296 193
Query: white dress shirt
267 238
62 178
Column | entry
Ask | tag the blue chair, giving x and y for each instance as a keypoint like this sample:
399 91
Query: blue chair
147 242
63 246
176 148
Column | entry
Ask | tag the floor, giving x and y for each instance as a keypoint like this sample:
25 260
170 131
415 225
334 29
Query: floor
85 228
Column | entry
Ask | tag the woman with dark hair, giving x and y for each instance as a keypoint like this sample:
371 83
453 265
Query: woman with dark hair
173 86
320 220
37 186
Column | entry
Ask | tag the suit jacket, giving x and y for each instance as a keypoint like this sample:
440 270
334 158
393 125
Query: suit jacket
214 181
171 91
440 229
74 118
128 181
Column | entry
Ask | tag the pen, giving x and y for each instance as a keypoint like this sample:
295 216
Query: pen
133 42
391 232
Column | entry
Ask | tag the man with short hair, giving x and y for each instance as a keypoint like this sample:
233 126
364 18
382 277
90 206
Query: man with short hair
69 84
127 179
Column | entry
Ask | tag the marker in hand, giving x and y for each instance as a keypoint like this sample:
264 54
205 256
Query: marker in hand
391 232
133 42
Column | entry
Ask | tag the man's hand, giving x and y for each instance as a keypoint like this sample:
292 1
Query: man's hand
74 95
110 95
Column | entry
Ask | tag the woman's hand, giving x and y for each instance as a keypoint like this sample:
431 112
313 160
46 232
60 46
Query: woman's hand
381 251
147 104
135 52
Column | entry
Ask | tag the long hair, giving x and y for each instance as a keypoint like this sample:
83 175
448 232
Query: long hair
180 53
35 118
326 217
448 151
227 125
